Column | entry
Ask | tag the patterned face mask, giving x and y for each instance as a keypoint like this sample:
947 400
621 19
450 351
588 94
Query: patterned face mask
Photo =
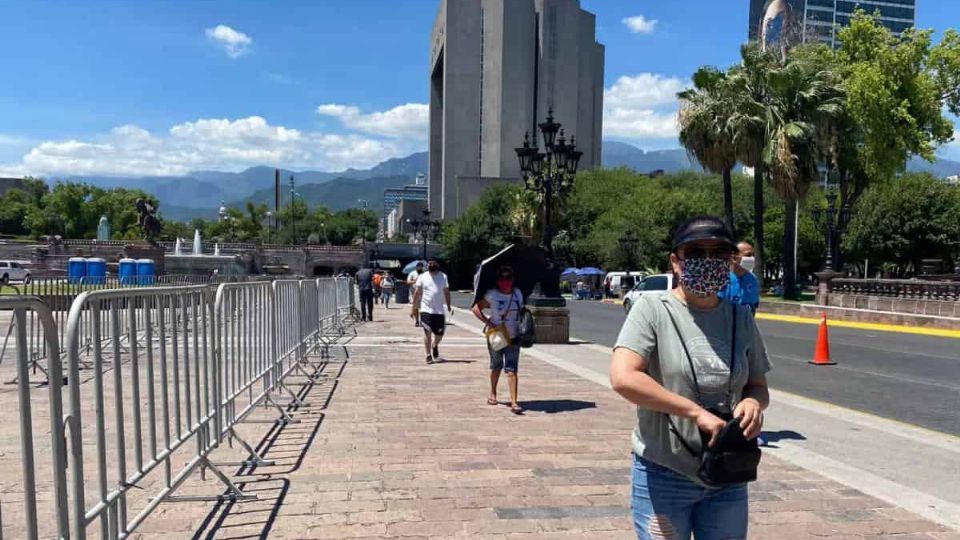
705 277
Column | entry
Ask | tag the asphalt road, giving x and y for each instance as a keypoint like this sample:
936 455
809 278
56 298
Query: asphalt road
905 377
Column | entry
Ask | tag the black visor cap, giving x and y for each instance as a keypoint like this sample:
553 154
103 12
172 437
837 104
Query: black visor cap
700 229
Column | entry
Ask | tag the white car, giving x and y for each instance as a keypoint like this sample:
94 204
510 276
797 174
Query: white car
656 284
12 271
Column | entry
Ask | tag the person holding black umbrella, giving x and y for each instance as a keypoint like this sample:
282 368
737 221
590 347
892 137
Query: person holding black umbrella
504 303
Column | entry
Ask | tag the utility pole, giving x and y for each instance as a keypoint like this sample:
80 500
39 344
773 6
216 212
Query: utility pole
293 211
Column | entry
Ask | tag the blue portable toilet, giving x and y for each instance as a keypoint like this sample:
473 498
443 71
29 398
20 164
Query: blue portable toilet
76 270
146 271
96 271
127 269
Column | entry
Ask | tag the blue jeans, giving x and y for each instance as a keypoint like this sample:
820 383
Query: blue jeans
507 358
669 506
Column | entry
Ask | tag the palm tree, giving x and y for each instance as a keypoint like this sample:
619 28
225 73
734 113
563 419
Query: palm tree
705 129
804 103
749 123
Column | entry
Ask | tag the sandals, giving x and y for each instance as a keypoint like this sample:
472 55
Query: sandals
516 409
491 401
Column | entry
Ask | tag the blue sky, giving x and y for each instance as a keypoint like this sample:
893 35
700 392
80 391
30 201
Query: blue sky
120 88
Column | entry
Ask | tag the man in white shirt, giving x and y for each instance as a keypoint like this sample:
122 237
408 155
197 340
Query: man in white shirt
431 292
411 282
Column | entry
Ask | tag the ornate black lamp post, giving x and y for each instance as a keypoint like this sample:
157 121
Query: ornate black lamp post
628 243
424 228
834 222
374 255
550 172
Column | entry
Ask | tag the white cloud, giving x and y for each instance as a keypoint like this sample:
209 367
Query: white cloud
410 120
640 24
642 107
218 144
234 43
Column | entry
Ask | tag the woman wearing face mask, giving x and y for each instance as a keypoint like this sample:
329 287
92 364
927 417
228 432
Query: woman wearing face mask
686 359
504 302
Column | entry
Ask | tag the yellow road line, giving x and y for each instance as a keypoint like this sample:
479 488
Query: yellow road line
938 332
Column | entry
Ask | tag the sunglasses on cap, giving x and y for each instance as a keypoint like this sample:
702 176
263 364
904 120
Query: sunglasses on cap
704 252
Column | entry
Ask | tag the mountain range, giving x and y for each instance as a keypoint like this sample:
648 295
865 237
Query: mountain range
200 193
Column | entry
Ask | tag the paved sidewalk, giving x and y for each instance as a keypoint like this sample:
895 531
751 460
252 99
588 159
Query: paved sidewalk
403 449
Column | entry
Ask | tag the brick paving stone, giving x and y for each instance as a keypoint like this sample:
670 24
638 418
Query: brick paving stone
406 450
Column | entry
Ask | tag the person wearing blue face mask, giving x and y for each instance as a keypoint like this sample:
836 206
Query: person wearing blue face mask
743 287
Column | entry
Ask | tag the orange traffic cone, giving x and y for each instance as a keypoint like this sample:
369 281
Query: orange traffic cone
821 354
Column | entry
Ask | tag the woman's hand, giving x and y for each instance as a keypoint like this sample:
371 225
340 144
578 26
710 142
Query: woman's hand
709 423
751 415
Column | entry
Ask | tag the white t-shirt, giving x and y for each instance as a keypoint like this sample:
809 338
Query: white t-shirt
432 286
505 308
412 277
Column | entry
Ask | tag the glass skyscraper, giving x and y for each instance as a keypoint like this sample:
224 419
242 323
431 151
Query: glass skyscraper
820 20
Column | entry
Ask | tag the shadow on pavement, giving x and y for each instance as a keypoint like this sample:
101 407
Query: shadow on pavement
551 406
777 436
287 446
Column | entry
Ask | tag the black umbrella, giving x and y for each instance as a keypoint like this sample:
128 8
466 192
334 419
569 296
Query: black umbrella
528 263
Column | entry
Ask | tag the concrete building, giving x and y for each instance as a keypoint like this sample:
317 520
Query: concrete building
392 197
496 67
819 20
397 221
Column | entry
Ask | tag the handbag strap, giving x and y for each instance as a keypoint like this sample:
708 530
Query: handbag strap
693 371
513 296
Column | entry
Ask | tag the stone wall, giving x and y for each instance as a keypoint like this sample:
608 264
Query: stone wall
939 308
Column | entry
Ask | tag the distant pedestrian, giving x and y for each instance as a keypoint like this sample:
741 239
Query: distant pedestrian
377 278
581 290
431 295
695 367
743 288
504 302
365 285
411 282
386 285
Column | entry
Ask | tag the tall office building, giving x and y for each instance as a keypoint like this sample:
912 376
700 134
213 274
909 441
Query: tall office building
819 20
496 67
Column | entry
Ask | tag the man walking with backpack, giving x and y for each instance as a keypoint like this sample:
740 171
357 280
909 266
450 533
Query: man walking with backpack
505 303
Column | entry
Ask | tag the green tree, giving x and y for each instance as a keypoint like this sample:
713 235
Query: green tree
805 102
481 231
903 221
750 121
706 129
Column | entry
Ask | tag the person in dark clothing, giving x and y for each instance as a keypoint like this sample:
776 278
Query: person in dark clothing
365 285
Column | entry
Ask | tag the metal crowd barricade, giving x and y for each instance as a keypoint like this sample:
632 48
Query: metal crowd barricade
172 362
25 346
159 377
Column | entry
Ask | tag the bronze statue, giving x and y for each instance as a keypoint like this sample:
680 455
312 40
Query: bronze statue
148 222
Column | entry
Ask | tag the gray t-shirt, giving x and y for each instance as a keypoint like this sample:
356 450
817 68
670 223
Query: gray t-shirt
707 333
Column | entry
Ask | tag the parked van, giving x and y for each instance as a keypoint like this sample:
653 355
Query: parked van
615 281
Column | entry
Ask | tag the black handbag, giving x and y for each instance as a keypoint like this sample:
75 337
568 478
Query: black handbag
527 335
732 459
